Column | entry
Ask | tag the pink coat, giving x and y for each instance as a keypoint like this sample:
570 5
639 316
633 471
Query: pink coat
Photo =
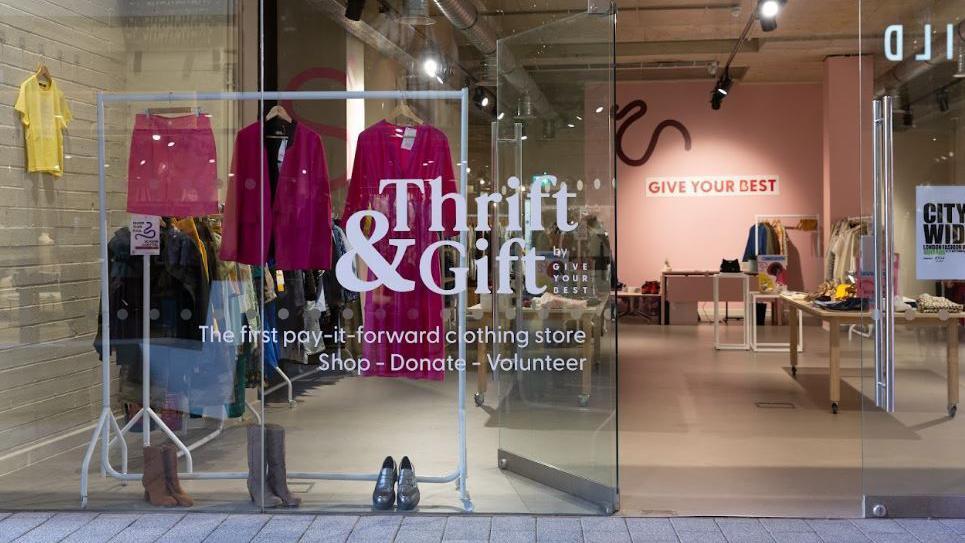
298 223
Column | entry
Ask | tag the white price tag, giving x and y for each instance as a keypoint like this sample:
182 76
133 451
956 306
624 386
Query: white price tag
145 235
408 138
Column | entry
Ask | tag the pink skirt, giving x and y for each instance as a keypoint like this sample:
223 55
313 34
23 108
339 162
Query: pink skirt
173 167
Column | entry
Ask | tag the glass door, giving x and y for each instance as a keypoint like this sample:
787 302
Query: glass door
555 393
912 438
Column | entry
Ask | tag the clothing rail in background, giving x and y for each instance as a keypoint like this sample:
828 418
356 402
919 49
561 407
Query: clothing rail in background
107 420
758 219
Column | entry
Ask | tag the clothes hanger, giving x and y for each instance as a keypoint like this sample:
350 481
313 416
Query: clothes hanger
172 110
275 115
43 74
280 112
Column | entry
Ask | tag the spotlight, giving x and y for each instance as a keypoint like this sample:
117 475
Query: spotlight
767 11
430 66
482 98
721 90
353 10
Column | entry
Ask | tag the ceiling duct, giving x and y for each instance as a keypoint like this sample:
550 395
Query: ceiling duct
465 17
416 13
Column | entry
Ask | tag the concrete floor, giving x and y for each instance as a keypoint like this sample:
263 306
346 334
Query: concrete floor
177 527
693 441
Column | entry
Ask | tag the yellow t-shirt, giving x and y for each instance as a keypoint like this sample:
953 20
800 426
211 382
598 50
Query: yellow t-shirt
45 115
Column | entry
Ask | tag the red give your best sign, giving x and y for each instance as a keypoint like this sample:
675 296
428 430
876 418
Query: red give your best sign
724 185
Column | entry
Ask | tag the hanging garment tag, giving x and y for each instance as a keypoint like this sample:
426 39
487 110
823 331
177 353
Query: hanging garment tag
281 150
408 138
145 235
280 280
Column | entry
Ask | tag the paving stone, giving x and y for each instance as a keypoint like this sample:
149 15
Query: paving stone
468 528
796 537
701 537
283 529
421 530
18 524
101 529
513 529
786 525
896 538
147 528
744 530
838 531
927 530
879 526
193 528
375 529
688 524
329 529
57 527
558 530
237 529
651 530
956 525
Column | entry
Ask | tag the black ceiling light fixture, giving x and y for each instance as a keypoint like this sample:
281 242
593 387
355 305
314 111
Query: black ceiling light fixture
353 10
767 11
942 98
721 90
484 100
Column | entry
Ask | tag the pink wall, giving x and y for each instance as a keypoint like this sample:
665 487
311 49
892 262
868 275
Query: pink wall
761 129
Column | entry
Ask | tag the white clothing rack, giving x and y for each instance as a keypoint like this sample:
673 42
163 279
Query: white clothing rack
758 219
107 420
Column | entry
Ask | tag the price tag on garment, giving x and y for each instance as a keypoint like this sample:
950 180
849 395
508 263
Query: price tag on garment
408 138
281 151
280 280
145 235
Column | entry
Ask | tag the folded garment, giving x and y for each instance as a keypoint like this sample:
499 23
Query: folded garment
933 304
850 304
552 301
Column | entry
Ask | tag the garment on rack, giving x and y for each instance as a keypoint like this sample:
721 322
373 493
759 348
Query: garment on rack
45 115
172 166
380 155
844 246
286 215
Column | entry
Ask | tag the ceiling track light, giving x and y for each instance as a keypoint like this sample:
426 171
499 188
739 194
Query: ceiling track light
484 99
354 9
721 90
767 11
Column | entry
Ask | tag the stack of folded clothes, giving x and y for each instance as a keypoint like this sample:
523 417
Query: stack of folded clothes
933 304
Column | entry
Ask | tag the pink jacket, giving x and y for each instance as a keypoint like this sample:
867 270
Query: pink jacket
298 223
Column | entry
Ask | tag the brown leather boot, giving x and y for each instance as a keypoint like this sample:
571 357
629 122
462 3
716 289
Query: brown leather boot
260 495
170 455
155 486
277 473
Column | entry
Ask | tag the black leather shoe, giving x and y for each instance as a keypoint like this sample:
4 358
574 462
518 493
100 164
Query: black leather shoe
383 497
408 493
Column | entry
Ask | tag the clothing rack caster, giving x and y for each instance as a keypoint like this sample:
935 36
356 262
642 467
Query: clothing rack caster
952 410
834 408
479 398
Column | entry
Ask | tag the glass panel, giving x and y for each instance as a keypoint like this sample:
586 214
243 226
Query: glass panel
554 129
910 461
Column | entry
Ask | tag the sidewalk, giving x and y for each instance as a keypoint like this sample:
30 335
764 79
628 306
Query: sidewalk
220 528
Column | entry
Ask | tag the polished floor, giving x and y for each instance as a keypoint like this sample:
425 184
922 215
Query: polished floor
702 433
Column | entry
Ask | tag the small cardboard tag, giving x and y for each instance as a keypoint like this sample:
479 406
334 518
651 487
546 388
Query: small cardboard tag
145 235
280 280
408 138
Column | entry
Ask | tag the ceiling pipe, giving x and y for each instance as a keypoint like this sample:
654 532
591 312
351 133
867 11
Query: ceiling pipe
910 69
464 16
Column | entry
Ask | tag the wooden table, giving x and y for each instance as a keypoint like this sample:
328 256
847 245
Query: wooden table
837 318
633 300
591 322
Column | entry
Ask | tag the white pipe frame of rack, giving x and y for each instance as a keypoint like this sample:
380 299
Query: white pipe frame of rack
107 420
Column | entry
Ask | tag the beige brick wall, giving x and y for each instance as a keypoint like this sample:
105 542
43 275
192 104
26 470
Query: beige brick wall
49 242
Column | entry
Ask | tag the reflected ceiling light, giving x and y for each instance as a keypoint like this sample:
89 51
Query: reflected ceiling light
353 9
483 99
430 67
960 74
599 109
501 115
767 11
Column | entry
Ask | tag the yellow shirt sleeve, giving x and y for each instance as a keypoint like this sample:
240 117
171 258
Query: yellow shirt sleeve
21 105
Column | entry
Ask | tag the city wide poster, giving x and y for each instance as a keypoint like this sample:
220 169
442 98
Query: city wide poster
940 237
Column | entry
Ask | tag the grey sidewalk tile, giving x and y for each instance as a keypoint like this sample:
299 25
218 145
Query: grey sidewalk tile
897 538
558 530
57 527
421 530
878 526
237 529
786 525
18 524
838 531
701 537
4 515
283 529
744 530
468 528
796 537
147 528
694 524
330 529
193 528
375 529
102 528
651 530
513 529
927 530
605 530
956 525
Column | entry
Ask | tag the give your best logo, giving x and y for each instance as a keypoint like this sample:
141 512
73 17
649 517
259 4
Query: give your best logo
895 42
